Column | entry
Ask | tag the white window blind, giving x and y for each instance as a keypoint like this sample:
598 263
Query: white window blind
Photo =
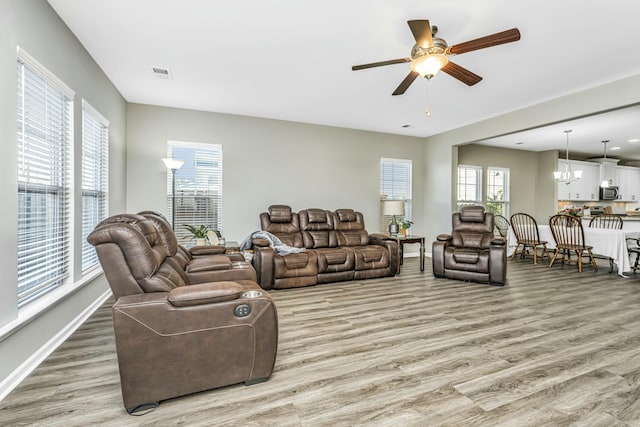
198 184
95 177
44 176
469 185
395 183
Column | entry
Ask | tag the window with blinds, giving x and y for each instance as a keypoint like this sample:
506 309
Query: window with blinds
395 183
95 177
469 185
44 176
498 191
198 187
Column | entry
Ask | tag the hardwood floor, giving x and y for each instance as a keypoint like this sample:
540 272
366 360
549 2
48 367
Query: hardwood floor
554 347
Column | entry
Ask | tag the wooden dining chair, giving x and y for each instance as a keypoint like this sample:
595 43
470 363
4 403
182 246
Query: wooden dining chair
525 229
633 245
501 225
610 221
568 233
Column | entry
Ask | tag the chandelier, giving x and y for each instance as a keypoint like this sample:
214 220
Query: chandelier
566 175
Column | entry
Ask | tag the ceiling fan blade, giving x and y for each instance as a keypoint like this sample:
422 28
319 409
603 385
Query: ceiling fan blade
502 37
421 32
405 83
380 64
461 73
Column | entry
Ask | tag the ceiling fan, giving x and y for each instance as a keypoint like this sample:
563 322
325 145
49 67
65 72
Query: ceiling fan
431 54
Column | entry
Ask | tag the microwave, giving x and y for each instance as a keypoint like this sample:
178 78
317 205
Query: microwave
609 193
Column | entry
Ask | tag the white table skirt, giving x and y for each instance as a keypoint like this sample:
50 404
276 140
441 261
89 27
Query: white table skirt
606 242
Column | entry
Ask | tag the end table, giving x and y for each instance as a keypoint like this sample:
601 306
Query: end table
408 239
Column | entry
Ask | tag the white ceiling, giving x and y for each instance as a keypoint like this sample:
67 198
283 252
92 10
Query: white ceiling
291 60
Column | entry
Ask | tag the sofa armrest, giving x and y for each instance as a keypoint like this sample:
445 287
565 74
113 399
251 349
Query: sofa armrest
263 263
499 241
263 243
444 238
379 237
204 293
197 251
156 341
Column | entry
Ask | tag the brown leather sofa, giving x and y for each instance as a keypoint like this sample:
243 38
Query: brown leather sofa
338 248
174 337
471 251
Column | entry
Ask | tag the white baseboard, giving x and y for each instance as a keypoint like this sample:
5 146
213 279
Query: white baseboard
29 365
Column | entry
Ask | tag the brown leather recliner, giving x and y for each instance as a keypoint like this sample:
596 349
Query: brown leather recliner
471 251
172 337
201 263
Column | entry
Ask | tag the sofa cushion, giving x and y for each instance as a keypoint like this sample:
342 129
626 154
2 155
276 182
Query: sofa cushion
466 260
280 213
331 260
371 257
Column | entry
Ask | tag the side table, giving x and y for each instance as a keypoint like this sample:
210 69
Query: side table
403 240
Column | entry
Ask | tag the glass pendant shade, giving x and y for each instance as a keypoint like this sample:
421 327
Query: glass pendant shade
567 175
429 65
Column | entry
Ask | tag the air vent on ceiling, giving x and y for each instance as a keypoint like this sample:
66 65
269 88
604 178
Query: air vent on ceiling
162 73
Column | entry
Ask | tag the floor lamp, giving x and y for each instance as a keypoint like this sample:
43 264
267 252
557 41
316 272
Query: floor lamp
173 165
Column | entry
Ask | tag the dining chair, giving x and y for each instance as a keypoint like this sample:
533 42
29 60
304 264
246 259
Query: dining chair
525 229
633 245
610 221
568 233
501 225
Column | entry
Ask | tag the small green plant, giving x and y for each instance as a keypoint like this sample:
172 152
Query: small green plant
199 232
405 224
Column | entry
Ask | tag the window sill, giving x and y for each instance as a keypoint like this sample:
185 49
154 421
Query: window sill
35 308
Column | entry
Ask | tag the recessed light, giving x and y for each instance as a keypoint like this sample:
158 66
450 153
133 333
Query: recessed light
519 143
614 148
634 140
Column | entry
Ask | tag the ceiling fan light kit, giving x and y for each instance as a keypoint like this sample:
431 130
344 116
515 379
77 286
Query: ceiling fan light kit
429 65
431 54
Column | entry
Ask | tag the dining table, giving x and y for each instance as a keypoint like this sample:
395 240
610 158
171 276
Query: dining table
606 242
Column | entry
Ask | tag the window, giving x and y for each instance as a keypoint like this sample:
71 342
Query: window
44 179
198 184
395 183
95 166
469 185
498 191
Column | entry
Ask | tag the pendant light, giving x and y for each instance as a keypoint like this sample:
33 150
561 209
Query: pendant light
605 182
567 175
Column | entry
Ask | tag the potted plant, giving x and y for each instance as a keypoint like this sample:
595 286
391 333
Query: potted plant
199 233
404 224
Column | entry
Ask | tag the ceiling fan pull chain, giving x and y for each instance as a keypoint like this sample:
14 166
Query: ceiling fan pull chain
426 110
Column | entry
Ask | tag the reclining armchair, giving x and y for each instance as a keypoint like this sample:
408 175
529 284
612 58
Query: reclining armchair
173 337
471 251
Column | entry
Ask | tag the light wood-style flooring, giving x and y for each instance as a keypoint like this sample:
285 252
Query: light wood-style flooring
554 347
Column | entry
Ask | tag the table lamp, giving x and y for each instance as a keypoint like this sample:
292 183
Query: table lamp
393 208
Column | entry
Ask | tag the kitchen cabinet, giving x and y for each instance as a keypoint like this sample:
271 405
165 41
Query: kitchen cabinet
584 189
629 183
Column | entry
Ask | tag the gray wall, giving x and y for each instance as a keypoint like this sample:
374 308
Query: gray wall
34 26
269 162
529 182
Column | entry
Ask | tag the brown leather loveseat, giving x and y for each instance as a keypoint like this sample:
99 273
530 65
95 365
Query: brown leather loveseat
181 325
471 251
336 248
